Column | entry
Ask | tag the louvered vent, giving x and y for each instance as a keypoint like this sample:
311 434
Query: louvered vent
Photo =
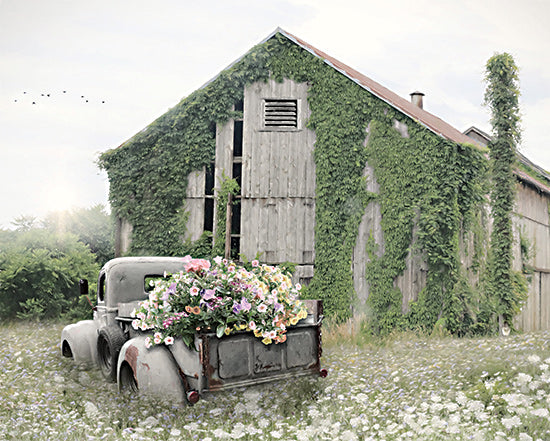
281 113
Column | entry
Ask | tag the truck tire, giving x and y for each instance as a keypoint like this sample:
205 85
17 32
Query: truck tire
109 342
127 380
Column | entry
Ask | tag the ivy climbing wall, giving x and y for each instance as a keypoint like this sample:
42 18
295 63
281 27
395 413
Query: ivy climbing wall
387 211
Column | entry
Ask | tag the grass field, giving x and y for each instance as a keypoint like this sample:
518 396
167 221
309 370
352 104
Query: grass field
401 388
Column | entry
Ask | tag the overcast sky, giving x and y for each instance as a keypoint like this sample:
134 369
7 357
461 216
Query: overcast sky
132 60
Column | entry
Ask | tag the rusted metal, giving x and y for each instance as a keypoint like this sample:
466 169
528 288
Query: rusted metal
178 372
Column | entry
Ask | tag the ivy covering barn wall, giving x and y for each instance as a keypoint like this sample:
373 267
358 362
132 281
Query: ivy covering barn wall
424 180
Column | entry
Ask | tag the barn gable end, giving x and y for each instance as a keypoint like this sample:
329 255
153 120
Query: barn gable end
312 188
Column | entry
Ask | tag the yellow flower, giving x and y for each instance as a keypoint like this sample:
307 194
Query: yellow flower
227 331
294 320
266 341
302 314
257 333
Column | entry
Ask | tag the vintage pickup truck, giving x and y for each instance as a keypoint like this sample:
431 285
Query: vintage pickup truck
177 372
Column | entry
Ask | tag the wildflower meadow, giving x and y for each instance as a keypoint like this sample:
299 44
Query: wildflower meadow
402 388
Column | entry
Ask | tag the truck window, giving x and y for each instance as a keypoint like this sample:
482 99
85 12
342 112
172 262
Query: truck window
149 282
101 288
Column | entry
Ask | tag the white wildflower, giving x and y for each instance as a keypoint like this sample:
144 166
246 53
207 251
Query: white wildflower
91 409
523 379
152 422
348 435
510 423
220 433
534 359
542 412
461 398
524 437
451 407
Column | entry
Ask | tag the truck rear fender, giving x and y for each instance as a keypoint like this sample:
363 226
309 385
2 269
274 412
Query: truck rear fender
154 371
79 341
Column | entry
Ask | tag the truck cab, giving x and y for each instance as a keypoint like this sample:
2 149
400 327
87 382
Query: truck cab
177 372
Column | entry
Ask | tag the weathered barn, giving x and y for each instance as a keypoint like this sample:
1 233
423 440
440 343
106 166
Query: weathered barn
287 130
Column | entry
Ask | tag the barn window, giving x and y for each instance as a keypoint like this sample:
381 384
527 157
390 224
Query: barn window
280 114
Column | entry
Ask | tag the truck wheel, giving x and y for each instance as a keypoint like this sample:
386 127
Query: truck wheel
109 342
127 379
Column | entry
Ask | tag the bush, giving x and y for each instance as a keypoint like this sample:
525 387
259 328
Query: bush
39 274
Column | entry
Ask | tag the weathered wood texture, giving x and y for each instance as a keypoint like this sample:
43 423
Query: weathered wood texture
532 223
278 180
123 236
370 228
194 205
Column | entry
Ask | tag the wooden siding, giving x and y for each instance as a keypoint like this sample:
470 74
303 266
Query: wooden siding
194 205
370 227
278 180
532 222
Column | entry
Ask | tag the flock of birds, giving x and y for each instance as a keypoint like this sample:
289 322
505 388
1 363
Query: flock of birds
34 98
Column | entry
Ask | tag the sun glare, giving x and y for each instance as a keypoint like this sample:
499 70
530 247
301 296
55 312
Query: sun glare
59 197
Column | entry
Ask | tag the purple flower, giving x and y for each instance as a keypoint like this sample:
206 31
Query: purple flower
171 290
209 294
236 308
278 307
245 304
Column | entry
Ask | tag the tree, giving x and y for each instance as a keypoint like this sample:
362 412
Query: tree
39 274
93 227
502 97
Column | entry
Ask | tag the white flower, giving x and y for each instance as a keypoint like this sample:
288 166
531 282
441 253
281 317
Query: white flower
542 412
512 422
534 359
348 435
524 437
523 379
220 433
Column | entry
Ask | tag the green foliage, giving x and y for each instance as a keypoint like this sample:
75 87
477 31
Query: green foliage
93 227
228 187
431 191
39 274
148 174
502 97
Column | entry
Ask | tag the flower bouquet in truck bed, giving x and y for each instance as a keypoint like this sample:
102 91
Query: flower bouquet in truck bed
220 297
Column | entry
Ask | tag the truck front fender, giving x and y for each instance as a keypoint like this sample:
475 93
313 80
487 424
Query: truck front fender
153 371
79 341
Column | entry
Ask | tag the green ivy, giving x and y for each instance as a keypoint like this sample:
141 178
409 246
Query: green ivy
502 97
228 187
428 185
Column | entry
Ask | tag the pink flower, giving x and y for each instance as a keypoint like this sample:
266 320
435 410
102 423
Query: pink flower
217 260
169 341
194 291
262 307
209 294
252 325
195 265
255 263
148 342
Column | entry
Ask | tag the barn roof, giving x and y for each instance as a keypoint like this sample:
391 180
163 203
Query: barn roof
432 122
